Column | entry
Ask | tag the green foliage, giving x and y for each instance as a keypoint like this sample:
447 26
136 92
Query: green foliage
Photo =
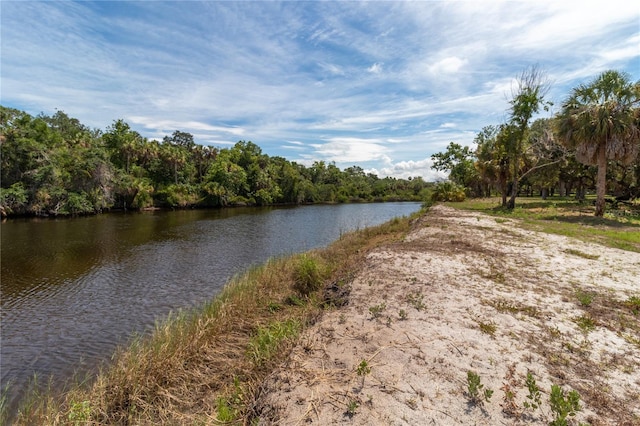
585 298
306 275
534 397
458 161
585 323
633 303
56 166
476 390
267 340
448 191
13 200
376 310
352 407
79 412
363 368
563 405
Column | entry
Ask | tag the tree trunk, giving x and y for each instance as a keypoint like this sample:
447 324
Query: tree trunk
601 181
545 193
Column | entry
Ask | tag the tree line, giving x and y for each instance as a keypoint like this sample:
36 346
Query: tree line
591 143
55 165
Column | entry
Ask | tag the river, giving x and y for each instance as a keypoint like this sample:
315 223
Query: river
73 289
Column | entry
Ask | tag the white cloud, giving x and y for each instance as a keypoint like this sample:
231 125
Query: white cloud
375 68
292 79
446 66
407 169
350 150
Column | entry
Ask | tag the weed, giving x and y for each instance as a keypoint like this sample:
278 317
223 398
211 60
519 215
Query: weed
585 323
265 343
342 319
488 327
363 368
80 412
274 307
376 310
585 298
294 300
534 397
563 405
352 406
402 314
416 300
306 275
474 389
225 411
633 303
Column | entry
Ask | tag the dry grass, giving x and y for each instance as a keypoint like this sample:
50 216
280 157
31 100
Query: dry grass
205 366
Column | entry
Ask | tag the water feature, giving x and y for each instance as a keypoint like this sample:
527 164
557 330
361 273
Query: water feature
73 289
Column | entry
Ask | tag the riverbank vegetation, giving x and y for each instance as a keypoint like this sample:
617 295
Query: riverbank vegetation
206 366
55 165
591 143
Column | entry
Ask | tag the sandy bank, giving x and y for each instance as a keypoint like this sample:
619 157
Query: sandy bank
462 292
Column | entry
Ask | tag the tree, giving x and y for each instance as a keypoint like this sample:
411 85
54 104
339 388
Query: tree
459 161
528 96
492 159
601 120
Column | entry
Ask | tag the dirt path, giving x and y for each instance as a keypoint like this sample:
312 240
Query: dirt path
466 292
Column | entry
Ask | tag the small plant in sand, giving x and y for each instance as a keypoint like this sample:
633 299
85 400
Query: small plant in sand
488 327
376 310
352 406
476 390
363 369
402 314
416 300
585 323
633 303
563 405
585 298
534 398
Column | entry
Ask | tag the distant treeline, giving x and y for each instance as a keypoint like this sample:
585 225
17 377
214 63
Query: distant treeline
55 165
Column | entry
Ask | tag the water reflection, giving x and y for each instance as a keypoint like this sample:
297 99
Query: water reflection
73 289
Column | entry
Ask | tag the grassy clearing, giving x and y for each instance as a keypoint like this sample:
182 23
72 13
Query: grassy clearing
568 217
205 366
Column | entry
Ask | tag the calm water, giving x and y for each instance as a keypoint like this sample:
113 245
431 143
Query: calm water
73 289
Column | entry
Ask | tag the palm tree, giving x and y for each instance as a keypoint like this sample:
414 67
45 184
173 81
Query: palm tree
601 120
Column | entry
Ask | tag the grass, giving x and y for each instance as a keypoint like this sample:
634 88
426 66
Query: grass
205 366
557 215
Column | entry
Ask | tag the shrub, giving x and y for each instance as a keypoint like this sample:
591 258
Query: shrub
448 191
307 277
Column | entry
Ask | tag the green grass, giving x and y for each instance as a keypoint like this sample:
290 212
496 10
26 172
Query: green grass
564 216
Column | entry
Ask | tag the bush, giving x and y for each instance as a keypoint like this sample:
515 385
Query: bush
448 191
306 277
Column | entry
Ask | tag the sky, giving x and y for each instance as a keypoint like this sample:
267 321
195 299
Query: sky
379 85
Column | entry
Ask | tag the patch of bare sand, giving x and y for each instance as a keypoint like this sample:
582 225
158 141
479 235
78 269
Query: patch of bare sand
464 292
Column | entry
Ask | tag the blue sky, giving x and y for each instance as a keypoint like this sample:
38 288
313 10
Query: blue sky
381 85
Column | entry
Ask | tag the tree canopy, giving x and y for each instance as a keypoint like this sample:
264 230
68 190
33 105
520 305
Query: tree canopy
57 166
598 125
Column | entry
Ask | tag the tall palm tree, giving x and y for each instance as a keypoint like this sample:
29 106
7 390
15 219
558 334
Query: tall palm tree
601 120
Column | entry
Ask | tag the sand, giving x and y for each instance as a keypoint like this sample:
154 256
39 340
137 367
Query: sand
468 292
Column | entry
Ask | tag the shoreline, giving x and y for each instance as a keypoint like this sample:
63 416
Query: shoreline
411 307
